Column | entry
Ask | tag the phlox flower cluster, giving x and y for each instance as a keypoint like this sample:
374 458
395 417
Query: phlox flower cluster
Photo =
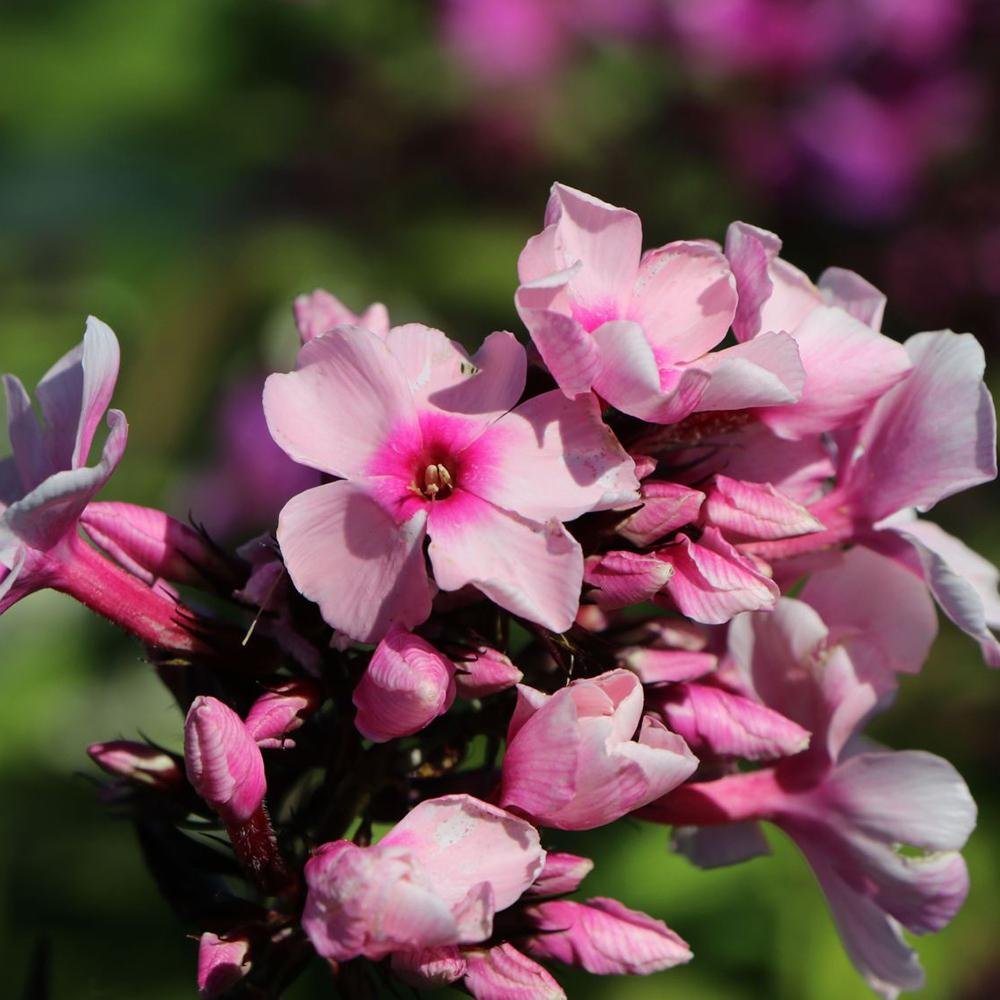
666 561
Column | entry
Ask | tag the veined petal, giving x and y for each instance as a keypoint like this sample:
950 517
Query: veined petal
623 577
756 510
344 552
765 371
345 400
854 295
503 973
534 570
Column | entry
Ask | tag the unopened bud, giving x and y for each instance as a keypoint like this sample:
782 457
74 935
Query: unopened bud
222 963
138 763
281 711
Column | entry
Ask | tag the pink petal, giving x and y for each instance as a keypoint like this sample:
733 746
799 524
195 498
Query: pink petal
684 299
281 711
440 371
962 582
848 367
343 403
26 442
712 582
605 938
665 507
661 666
345 553
320 312
487 672
405 687
430 968
503 973
533 570
562 443
605 239
562 874
765 371
624 578
75 393
854 295
462 842
222 963
223 762
755 510
630 377
773 295
912 457
53 508
725 724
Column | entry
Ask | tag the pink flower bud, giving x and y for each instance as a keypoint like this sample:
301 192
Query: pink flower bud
604 937
624 578
755 510
152 545
562 873
222 963
665 508
407 685
279 712
660 666
572 763
488 673
137 762
223 762
430 968
503 972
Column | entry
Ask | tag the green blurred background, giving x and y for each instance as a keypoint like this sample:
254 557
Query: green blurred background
183 169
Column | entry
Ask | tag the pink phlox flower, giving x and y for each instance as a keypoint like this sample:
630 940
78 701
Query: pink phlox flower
428 442
638 328
46 483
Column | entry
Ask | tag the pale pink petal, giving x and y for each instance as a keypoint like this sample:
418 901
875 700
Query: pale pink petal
533 570
222 963
605 239
662 666
223 762
911 456
440 371
487 671
344 552
562 874
755 510
562 443
430 968
712 582
665 507
26 441
962 582
503 973
347 397
569 352
53 508
854 295
899 632
529 701
630 379
320 312
604 937
405 687
624 578
725 724
773 295
538 259
766 371
720 846
848 367
75 393
462 842
904 797
684 299
873 941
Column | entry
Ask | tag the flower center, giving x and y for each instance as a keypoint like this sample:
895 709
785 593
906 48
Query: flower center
435 484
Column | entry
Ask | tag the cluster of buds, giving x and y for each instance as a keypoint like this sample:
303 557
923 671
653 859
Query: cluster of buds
531 598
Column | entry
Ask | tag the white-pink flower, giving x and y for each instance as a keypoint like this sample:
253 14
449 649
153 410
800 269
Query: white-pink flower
426 442
638 328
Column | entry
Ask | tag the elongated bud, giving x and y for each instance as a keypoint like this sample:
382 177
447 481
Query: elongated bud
152 545
279 712
624 578
665 508
222 963
223 762
407 685
562 873
138 763
489 672
755 510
